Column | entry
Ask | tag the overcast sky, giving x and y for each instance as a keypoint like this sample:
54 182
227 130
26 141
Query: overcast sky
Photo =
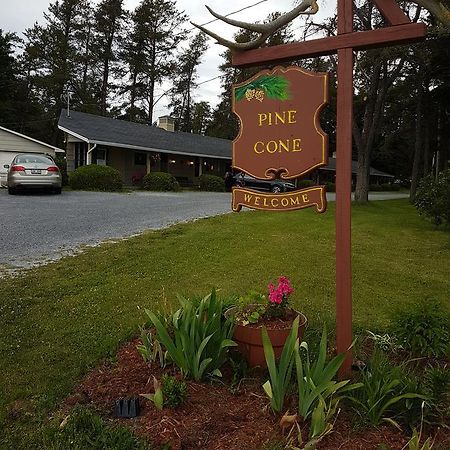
17 15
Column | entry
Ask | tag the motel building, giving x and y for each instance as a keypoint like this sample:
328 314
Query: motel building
136 149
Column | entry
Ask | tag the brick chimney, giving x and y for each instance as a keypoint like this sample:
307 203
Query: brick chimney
166 123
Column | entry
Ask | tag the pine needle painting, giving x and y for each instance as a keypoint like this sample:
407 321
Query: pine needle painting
270 86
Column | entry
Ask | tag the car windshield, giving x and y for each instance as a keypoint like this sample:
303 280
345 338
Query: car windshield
33 159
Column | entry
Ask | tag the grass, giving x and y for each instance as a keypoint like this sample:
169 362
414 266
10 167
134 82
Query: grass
57 321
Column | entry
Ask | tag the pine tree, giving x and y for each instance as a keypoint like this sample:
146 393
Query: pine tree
149 53
50 54
8 77
185 82
201 117
109 20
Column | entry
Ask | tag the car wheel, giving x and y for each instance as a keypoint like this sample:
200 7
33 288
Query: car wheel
57 191
11 191
276 189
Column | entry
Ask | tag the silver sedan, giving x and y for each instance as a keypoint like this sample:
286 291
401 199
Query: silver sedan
29 171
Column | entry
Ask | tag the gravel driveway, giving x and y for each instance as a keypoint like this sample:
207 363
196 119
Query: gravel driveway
37 228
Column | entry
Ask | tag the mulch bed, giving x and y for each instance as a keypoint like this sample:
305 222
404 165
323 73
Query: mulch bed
212 417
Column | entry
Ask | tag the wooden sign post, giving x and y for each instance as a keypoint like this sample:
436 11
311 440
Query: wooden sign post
399 30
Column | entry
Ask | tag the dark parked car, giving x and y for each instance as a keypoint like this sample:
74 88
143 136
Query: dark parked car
274 186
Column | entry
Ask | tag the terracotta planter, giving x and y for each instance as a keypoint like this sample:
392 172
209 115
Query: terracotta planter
249 339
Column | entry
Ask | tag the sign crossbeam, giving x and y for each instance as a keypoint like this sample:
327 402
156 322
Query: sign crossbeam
399 31
358 40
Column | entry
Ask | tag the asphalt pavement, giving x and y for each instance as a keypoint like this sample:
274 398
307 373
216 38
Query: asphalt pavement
40 227
37 227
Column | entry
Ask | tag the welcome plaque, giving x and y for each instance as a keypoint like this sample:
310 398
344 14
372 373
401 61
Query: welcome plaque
280 135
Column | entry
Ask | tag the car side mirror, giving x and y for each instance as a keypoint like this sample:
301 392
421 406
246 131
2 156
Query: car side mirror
6 166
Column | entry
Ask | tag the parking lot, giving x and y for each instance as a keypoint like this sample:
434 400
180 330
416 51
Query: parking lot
38 227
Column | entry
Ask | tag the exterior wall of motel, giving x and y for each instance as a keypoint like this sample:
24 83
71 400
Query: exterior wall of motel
134 164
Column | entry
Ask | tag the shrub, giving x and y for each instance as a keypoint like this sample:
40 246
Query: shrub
330 187
305 183
211 183
174 391
160 181
96 178
433 198
423 329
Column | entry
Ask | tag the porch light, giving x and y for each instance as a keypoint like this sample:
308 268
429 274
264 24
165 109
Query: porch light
172 161
191 163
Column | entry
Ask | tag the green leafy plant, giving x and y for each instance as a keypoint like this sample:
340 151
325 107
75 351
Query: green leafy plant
211 183
423 329
433 198
414 443
150 349
381 390
96 178
436 382
239 367
174 391
158 397
160 181
280 377
83 429
385 342
315 379
201 337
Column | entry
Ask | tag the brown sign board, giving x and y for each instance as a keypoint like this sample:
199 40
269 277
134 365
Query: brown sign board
280 134
289 201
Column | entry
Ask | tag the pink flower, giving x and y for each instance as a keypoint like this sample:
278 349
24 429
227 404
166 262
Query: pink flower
281 292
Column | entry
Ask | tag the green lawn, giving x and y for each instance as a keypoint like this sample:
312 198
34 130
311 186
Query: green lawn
57 321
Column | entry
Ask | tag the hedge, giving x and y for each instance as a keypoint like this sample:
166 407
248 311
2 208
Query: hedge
96 178
211 183
160 181
433 198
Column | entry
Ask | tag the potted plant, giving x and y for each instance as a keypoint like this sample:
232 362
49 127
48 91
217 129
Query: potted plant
273 311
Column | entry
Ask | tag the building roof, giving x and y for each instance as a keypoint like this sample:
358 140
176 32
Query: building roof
56 149
120 133
373 172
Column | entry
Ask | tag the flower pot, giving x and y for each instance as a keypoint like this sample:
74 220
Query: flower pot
249 339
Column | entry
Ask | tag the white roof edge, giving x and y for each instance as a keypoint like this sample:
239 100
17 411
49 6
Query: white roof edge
79 136
56 149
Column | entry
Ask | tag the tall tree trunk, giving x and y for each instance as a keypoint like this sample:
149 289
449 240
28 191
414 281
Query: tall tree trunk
106 63
151 84
86 60
364 142
418 147
151 99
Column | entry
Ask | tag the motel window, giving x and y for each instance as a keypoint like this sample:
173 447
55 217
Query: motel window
140 159
99 156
